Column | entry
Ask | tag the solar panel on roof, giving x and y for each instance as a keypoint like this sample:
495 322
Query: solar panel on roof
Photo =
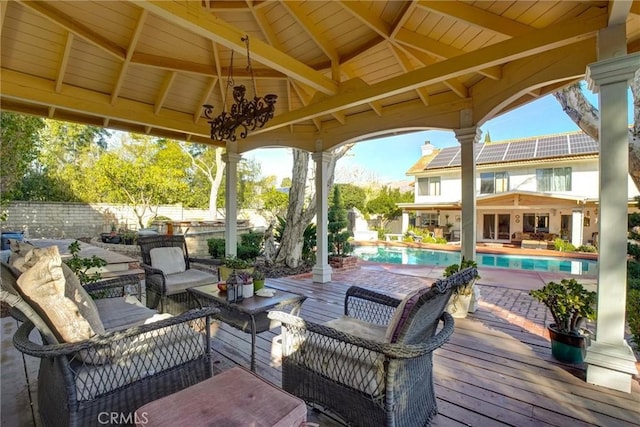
582 143
443 158
520 150
492 153
552 146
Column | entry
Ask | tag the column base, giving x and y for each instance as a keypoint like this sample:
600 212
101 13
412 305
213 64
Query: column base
322 273
611 366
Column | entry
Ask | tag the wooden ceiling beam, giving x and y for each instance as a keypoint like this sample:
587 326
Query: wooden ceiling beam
64 62
477 17
164 90
199 21
554 36
133 42
301 17
47 11
369 19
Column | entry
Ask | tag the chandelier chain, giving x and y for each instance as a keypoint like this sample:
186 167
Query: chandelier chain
244 115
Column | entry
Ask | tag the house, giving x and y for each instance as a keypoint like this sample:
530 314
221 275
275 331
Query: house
529 190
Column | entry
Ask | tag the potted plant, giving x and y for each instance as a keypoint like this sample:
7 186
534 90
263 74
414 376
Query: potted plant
258 280
233 263
461 299
128 237
571 305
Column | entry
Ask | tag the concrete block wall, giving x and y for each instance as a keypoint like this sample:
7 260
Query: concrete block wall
61 220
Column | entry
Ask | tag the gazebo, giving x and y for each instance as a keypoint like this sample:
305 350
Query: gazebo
343 71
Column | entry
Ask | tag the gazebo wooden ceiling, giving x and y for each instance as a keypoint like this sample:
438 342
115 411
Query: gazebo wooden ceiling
342 70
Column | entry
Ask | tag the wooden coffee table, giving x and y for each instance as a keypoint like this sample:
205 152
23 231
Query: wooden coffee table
250 315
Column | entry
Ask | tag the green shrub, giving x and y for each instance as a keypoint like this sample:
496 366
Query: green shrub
633 314
158 218
216 247
564 246
587 248
633 250
80 266
247 252
252 239
309 238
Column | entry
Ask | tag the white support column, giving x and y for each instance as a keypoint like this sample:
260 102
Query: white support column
405 222
322 270
577 227
610 360
467 138
231 203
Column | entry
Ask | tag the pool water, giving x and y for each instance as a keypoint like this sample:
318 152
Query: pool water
412 256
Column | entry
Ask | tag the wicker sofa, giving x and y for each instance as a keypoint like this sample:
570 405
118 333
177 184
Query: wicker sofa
139 357
372 366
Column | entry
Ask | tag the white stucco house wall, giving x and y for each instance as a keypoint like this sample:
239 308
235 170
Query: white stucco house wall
540 187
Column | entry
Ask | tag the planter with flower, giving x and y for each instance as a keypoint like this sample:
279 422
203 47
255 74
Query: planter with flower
459 304
571 305
245 279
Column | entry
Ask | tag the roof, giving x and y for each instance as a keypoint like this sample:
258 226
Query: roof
532 149
343 71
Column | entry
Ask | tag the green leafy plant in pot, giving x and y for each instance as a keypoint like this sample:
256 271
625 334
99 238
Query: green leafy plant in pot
459 304
571 305
258 280
232 263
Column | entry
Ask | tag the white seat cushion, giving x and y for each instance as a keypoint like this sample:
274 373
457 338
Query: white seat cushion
168 259
179 282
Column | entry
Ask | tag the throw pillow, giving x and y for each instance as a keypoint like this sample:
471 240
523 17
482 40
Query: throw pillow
74 290
168 259
402 313
43 286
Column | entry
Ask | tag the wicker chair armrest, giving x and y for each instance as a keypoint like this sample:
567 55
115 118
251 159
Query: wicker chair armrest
300 328
205 264
25 345
370 306
108 287
151 270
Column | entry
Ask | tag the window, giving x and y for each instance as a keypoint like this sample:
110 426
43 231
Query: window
494 182
429 218
535 223
553 179
429 186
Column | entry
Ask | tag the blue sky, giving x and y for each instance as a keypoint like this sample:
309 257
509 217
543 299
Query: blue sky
389 158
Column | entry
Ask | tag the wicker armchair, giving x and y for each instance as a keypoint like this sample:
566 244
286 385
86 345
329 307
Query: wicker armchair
374 365
84 383
168 276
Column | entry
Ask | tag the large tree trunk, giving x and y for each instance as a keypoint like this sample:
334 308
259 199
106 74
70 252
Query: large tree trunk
215 181
299 213
587 117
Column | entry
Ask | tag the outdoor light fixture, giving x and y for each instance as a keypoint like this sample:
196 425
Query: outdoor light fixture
244 114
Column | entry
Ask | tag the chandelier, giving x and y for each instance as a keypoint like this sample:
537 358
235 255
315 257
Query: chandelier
244 114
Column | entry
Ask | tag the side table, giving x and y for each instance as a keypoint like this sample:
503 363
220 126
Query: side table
250 315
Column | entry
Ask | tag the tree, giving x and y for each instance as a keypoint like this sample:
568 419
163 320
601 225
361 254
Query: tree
286 182
19 146
587 117
208 161
275 202
301 208
384 205
337 223
143 173
353 196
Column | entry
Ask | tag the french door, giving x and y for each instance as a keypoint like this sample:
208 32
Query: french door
496 227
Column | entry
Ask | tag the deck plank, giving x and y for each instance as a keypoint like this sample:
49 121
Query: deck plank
491 373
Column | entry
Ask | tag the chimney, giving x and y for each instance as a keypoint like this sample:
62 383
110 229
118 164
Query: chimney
427 148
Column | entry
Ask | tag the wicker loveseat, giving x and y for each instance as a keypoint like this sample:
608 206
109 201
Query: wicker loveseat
169 272
140 355
372 366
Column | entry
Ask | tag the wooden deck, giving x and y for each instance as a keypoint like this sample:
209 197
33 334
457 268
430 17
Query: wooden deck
491 373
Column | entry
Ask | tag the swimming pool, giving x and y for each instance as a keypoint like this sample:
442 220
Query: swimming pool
403 255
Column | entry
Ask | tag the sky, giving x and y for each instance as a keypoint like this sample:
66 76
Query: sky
389 158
